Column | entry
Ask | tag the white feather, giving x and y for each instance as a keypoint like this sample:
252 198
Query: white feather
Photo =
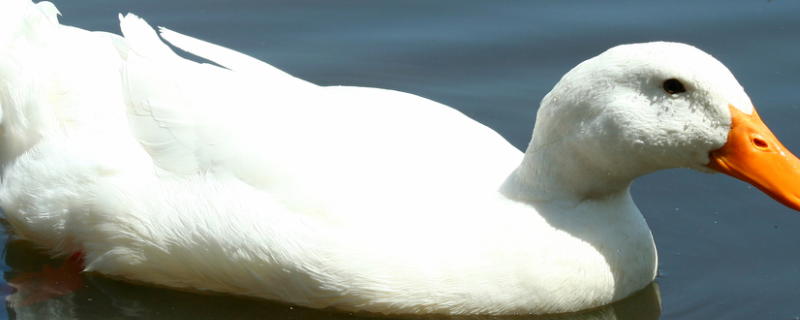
248 181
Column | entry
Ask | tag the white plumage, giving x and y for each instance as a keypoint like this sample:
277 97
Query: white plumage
246 180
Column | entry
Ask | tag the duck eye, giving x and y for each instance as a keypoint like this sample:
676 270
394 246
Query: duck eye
673 86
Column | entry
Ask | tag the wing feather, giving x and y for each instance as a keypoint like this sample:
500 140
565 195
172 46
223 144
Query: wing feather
227 58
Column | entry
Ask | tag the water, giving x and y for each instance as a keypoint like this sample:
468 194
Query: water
726 250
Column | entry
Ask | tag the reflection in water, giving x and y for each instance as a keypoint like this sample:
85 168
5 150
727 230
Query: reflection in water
101 298
35 287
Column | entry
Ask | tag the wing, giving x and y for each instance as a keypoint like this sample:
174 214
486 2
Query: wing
171 103
317 149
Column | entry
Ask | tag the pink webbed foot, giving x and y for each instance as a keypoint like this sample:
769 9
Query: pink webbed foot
35 287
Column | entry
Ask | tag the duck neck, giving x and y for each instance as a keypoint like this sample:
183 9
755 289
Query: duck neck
565 172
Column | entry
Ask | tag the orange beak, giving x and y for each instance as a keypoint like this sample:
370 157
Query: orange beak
753 154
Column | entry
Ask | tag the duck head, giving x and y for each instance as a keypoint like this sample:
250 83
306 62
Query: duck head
639 108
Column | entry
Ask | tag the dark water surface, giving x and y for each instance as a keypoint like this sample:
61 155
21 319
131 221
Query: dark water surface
726 250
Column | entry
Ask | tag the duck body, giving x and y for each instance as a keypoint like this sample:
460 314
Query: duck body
242 179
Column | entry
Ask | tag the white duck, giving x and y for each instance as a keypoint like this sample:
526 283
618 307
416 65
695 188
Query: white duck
248 181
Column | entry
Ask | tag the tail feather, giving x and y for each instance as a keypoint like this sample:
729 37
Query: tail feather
23 18
25 29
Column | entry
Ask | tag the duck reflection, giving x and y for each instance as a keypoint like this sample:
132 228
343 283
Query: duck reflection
45 288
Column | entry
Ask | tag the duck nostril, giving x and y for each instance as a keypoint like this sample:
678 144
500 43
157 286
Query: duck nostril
761 144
